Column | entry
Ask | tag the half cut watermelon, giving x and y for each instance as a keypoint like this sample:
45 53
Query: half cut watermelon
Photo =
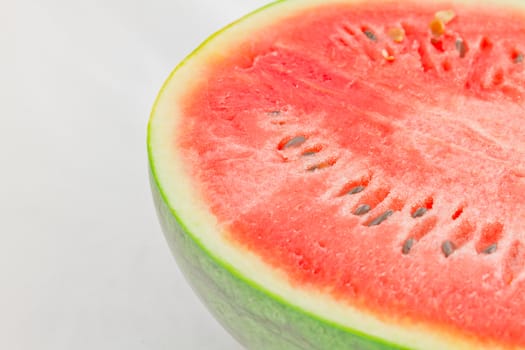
351 175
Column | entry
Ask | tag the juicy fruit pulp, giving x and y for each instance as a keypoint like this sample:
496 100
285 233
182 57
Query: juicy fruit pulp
376 153
289 140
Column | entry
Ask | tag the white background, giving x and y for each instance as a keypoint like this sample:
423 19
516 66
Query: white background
83 263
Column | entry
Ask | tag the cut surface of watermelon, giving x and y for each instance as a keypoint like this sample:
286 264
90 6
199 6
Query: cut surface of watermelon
361 162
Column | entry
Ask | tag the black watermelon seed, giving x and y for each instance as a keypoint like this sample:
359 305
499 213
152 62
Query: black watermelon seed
490 249
362 209
381 218
356 190
419 212
461 47
295 141
309 153
323 165
314 167
409 243
448 248
370 34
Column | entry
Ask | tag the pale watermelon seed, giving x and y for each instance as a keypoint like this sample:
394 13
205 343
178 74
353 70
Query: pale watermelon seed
519 58
312 150
437 27
445 16
396 34
387 56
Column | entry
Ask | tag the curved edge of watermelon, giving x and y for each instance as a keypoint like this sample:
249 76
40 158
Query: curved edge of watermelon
256 316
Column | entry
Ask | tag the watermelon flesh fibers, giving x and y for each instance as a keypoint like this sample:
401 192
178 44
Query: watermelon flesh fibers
375 153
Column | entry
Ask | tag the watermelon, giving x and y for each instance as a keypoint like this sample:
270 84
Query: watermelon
346 174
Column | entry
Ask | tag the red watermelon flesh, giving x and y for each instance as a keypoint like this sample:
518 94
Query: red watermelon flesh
376 153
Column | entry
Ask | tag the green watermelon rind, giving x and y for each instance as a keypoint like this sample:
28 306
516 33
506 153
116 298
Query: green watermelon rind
256 317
